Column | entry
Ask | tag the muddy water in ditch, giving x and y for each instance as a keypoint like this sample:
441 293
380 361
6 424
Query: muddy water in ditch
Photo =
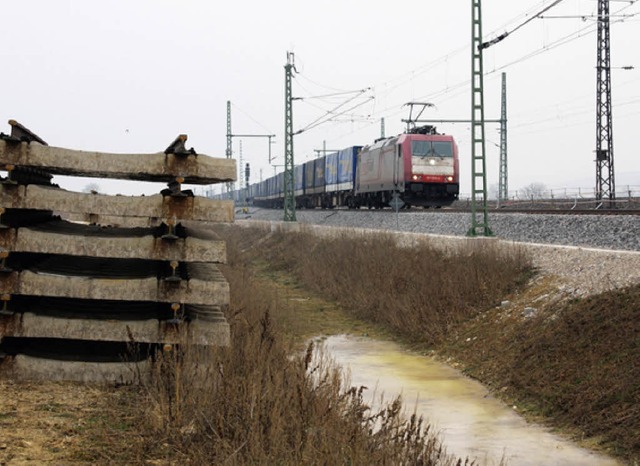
471 422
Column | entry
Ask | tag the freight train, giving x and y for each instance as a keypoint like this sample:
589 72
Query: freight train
421 167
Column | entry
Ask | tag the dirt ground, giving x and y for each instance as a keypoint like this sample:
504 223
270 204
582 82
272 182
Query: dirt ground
61 423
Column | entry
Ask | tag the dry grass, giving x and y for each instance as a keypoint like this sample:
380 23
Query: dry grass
66 423
261 402
574 365
255 403
420 293
577 364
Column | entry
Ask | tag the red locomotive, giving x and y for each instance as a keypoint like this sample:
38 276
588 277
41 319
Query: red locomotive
422 166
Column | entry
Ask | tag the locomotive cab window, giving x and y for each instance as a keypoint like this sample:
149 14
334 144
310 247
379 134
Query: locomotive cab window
431 149
442 149
420 148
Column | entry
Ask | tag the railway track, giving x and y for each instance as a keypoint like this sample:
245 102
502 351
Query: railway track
551 211
510 210
627 206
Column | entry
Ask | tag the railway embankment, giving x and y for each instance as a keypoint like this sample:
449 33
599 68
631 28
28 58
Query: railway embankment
582 255
617 232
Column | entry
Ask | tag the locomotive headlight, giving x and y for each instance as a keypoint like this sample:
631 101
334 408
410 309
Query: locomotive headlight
449 178
432 161
415 177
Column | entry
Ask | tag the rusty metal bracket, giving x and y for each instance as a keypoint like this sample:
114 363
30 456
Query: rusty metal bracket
178 148
178 314
20 133
4 311
174 189
170 234
4 254
2 225
174 277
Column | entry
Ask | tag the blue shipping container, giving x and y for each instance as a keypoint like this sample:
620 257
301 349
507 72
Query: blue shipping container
331 172
346 167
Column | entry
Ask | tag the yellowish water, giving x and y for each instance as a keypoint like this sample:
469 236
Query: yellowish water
471 421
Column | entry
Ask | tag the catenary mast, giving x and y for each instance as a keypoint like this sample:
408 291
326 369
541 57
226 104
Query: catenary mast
289 198
605 181
479 214
503 185
229 151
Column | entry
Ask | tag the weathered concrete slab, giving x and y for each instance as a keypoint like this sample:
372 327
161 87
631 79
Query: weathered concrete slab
200 169
201 333
212 291
112 220
30 325
131 222
27 368
147 247
158 206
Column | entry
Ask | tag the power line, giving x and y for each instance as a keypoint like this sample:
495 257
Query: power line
412 74
251 118
583 17
318 121
335 94
559 42
302 76
420 70
463 84
460 87
504 35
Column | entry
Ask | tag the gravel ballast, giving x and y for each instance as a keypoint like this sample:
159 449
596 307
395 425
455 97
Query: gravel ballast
620 232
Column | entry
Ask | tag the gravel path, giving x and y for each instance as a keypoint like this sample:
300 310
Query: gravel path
586 254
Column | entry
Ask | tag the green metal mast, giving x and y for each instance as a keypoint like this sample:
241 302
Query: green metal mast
503 185
229 151
479 215
605 179
289 198
240 184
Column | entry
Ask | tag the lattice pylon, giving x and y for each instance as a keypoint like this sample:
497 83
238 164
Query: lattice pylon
479 214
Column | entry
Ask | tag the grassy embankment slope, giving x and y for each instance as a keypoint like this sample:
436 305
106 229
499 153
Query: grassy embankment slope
574 365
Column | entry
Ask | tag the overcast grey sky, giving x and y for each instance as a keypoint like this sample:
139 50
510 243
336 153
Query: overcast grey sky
129 76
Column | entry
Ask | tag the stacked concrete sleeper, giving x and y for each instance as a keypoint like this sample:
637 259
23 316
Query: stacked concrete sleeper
92 285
